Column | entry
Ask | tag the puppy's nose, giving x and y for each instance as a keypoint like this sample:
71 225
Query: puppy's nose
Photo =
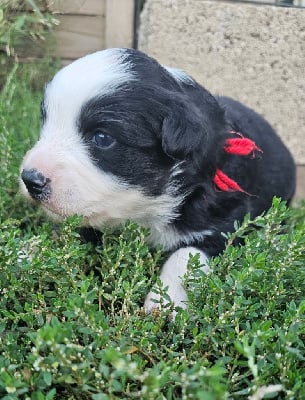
34 181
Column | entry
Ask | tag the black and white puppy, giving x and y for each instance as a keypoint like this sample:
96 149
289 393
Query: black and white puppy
124 137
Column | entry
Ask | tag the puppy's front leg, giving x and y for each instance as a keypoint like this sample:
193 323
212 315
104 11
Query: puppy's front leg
171 274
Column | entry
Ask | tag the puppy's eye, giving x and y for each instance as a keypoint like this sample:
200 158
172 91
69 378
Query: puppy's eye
102 140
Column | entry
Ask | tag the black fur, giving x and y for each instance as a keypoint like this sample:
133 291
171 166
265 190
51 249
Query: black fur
158 121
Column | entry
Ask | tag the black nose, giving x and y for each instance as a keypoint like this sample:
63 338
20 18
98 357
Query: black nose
35 182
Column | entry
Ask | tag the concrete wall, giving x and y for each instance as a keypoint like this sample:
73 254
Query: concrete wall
253 53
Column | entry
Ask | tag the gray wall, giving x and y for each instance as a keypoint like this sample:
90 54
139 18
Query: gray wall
252 52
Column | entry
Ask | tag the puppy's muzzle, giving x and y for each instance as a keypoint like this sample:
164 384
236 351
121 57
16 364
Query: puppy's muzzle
36 183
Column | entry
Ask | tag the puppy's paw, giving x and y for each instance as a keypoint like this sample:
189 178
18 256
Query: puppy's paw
152 302
169 291
173 297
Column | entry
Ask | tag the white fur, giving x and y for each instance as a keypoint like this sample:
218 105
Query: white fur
99 73
179 75
170 238
172 272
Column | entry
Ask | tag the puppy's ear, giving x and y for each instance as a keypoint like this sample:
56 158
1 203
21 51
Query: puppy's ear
189 133
180 136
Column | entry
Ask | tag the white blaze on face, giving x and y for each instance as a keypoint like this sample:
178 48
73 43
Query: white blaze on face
100 73
77 185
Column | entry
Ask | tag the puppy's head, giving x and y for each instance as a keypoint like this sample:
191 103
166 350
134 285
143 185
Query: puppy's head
122 138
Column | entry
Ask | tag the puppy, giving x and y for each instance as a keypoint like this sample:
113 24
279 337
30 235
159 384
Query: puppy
124 137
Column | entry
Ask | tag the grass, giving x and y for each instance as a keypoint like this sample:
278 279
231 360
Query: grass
71 324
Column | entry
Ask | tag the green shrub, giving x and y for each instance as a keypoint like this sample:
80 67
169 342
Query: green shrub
23 19
20 94
72 325
20 101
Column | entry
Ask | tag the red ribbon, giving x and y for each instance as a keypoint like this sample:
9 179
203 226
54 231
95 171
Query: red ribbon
226 184
241 147
238 146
